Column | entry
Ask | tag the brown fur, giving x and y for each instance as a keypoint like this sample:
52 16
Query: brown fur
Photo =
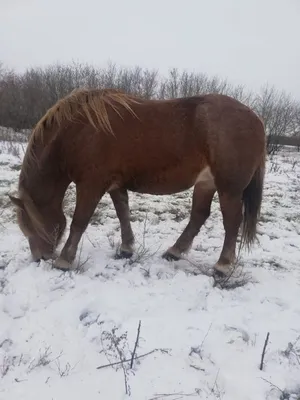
107 141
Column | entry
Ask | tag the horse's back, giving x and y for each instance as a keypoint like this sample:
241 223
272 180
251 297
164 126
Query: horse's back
165 142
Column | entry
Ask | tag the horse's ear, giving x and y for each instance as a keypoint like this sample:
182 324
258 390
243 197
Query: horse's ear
16 201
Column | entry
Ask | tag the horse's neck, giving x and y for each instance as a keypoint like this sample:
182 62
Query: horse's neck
42 180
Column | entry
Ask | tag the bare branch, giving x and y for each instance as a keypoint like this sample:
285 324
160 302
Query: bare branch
135 345
264 352
136 358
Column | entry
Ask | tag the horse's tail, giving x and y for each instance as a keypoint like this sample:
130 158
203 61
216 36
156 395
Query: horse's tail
252 198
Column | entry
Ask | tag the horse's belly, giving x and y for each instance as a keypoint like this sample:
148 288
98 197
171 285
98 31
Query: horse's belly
168 182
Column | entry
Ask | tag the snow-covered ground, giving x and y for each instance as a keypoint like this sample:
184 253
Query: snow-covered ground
205 342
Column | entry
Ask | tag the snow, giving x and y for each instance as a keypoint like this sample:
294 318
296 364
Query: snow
57 328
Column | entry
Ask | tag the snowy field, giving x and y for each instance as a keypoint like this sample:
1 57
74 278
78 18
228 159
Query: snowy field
204 341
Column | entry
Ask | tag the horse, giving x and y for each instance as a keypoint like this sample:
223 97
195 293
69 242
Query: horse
107 141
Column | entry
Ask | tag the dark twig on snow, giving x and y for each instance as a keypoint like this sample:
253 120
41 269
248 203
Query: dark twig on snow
215 388
285 395
135 345
264 352
116 342
198 350
160 396
129 360
272 384
209 328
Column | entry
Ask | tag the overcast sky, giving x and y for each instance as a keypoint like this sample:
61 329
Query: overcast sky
252 42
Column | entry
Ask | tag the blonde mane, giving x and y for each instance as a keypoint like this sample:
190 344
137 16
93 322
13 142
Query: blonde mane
85 103
88 103
34 216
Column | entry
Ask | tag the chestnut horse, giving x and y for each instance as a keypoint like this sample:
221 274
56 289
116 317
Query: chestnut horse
109 141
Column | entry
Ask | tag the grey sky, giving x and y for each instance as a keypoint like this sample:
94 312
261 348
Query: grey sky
248 41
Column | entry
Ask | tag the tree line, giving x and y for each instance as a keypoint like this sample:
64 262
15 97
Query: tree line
25 97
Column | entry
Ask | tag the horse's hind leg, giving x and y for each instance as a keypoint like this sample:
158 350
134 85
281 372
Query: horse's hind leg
231 207
87 198
120 200
202 199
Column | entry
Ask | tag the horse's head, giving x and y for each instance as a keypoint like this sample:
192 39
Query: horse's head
43 228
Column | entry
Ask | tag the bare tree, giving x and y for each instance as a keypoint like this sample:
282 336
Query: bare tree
172 84
277 110
296 127
150 84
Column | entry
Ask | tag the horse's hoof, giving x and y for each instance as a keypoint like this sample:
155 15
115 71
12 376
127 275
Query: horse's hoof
123 254
170 256
222 271
218 274
62 264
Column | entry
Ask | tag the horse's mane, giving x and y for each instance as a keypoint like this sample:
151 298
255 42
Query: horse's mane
88 103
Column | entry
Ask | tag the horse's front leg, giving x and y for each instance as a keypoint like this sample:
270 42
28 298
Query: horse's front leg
88 196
